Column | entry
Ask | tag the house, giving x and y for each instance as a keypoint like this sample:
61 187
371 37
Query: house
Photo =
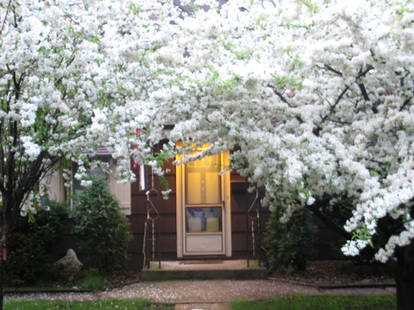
207 215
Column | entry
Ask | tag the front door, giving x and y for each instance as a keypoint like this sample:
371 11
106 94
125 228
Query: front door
203 218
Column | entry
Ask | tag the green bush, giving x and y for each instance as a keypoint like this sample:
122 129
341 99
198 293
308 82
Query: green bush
31 245
93 281
289 245
102 231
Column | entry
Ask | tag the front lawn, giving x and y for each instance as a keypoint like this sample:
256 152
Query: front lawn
322 302
293 302
135 304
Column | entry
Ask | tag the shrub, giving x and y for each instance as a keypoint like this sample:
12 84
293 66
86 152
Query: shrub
93 281
289 245
31 244
102 231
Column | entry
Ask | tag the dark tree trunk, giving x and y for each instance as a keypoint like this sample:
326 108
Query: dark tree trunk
6 221
3 250
1 277
404 277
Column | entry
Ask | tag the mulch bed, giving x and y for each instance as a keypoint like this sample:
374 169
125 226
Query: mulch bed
122 278
338 273
335 273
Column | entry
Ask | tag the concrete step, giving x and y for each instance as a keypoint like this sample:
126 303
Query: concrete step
204 270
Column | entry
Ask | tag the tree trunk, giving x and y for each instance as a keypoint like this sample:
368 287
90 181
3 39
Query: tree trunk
2 261
405 290
4 221
404 277
1 279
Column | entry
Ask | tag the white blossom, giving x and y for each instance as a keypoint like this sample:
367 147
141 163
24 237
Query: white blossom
32 150
279 83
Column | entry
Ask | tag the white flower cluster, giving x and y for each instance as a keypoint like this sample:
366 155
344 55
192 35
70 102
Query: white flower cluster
401 240
32 150
315 97
30 204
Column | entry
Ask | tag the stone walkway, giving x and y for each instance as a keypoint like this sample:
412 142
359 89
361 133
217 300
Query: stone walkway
207 291
205 306
185 291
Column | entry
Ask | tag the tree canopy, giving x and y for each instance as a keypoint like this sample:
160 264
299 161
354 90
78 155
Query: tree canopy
314 98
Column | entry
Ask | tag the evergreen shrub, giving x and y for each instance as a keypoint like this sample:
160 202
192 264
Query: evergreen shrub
289 245
102 231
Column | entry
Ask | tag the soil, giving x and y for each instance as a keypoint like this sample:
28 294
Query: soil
321 273
122 278
317 273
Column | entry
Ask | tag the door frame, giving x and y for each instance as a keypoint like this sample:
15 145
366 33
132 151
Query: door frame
180 208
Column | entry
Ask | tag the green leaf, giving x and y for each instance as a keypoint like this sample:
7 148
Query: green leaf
94 39
42 50
134 8
374 173
31 218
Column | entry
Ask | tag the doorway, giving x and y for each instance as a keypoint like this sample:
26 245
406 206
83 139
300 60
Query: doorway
203 207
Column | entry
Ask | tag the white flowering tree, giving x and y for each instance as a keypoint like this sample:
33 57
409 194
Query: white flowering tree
61 75
315 99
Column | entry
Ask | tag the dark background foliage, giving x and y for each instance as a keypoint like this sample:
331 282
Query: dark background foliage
32 245
289 245
98 232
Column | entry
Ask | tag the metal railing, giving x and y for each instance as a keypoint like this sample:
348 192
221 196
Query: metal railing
253 228
150 248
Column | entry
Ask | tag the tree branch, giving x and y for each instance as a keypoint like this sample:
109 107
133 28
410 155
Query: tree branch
278 94
325 219
361 85
5 17
406 102
340 122
328 67
284 100
363 91
316 131
363 73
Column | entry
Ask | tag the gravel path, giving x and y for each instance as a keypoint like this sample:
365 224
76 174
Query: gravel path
181 292
184 291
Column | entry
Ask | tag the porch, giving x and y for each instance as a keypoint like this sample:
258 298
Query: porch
210 227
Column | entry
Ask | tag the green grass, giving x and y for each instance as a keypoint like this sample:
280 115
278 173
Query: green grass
93 282
136 304
294 302
320 302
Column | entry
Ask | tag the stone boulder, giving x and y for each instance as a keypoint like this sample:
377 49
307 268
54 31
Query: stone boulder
68 267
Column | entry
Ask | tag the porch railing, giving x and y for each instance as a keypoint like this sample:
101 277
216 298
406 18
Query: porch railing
254 230
150 247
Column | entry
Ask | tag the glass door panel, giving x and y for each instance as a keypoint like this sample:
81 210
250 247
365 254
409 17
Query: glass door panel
203 219
203 184
203 214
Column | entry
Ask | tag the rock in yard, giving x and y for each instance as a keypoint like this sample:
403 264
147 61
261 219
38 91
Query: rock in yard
68 267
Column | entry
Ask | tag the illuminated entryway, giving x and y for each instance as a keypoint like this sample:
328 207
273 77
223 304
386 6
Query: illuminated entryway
203 207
